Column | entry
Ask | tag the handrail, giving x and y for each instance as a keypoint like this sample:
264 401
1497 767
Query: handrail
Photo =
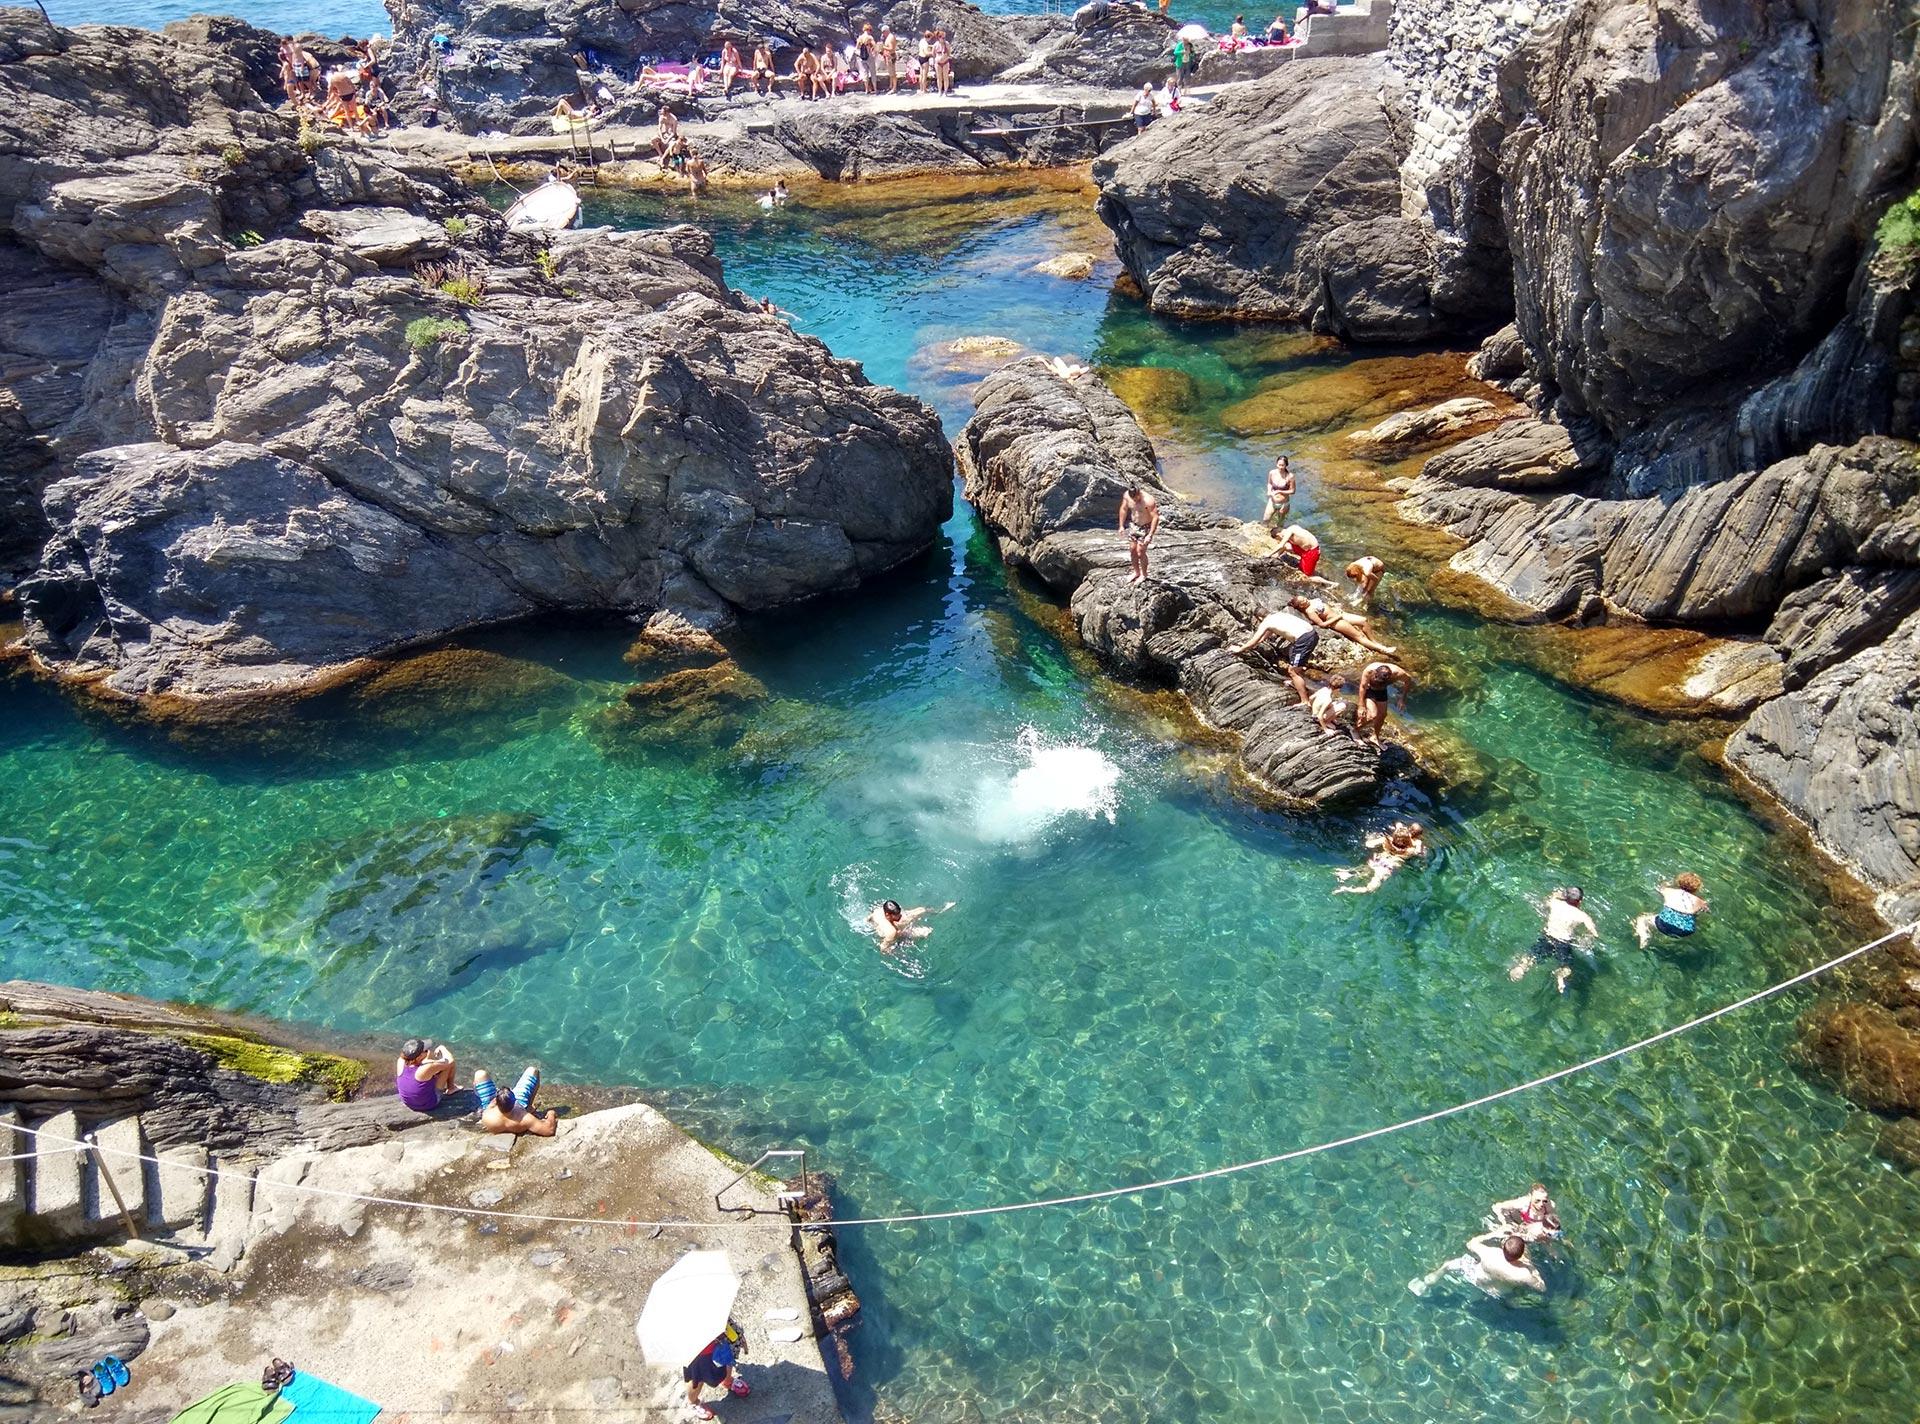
754 1166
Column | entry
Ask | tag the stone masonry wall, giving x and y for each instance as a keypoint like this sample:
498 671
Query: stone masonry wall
1450 52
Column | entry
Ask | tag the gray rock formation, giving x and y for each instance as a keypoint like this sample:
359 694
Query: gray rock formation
511 61
1045 461
361 428
1842 755
1121 49
1281 199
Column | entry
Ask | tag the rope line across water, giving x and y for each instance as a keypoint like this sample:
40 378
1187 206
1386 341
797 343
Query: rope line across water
1077 1198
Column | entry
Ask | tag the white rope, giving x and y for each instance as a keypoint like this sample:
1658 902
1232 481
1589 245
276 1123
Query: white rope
1078 1198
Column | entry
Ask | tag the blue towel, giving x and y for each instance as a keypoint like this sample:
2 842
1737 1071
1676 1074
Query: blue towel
315 1401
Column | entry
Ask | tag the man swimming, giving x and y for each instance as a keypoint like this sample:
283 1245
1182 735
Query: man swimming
891 924
1497 1264
1559 939
1139 521
1300 636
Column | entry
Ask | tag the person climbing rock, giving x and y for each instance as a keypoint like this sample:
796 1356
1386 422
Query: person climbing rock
1301 638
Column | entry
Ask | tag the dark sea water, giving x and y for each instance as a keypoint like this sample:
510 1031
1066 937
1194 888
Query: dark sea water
1144 974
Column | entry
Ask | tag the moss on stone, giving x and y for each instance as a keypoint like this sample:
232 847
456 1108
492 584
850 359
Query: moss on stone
341 1077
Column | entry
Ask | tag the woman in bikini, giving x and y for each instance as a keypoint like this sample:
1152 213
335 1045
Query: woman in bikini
1280 488
1350 626
730 68
1679 913
1403 841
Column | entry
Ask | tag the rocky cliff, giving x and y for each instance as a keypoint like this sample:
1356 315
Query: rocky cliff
1045 461
311 402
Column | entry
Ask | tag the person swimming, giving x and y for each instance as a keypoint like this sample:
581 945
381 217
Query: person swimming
891 924
1497 1264
1403 841
1679 913
1560 938
1533 1215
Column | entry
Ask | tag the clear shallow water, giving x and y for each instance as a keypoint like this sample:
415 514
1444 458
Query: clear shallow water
1144 974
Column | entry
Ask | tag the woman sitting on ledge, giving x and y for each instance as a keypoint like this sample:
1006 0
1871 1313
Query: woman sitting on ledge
730 68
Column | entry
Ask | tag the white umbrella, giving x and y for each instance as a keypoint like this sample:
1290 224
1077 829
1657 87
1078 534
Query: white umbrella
1193 34
687 1308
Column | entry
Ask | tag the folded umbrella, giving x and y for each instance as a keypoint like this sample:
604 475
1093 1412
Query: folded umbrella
687 1309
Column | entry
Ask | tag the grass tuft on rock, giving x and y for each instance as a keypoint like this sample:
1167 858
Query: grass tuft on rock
428 331
341 1077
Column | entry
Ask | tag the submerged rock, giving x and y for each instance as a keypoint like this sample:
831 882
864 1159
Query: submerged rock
296 450
1045 460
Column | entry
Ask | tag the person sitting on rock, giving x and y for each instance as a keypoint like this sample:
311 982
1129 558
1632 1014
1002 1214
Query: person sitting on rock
666 135
761 78
1366 571
833 71
806 70
1680 912
713 1366
696 77
1328 706
1145 109
1278 33
423 1075
1370 710
1139 521
1402 842
570 110
730 68
1300 637
1300 547
1350 626
512 1112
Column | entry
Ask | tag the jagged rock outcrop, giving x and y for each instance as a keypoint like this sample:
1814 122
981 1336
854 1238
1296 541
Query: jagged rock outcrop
320 421
1122 48
1045 460
510 62
1281 200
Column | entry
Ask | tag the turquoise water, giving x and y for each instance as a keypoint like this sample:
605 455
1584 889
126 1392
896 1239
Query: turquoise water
1143 974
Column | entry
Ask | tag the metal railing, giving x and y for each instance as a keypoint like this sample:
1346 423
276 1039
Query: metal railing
785 1199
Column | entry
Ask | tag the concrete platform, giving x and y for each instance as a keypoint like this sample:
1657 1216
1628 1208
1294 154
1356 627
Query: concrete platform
433 1315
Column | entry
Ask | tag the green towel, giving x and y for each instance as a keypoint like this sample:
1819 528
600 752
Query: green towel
243 1403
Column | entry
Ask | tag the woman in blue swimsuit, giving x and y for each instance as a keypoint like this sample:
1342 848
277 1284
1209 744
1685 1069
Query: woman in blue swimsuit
1679 914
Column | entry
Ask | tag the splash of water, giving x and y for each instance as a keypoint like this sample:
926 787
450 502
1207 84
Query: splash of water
1053 782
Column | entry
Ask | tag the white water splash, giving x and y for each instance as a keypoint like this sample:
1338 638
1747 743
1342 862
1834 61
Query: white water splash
1052 782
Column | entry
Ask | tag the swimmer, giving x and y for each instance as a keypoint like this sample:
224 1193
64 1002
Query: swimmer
1139 521
1680 913
1497 1264
1558 940
1366 571
1533 1216
1327 706
1350 626
891 924
1300 637
1403 841
1280 487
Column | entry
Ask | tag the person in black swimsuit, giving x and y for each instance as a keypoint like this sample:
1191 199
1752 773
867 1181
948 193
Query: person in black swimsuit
1370 707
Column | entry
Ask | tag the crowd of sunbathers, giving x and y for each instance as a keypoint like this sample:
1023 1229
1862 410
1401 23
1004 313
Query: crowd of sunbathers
350 96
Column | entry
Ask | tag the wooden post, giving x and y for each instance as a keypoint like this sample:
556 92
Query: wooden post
100 1166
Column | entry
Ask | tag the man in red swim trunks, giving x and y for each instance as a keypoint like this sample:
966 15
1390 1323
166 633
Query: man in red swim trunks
1301 548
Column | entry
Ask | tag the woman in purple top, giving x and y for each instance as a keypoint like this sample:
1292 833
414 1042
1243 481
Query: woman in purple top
421 1076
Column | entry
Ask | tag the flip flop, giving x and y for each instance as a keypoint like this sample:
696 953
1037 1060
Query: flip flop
121 1374
103 1378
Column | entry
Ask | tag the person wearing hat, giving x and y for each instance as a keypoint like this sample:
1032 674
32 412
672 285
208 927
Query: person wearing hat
423 1074
714 1366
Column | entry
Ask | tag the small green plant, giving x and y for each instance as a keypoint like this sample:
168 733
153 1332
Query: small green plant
311 139
429 331
546 264
249 238
233 155
456 227
341 1077
1897 239
466 285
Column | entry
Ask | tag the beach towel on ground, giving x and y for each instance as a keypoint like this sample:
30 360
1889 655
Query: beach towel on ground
317 1402
243 1403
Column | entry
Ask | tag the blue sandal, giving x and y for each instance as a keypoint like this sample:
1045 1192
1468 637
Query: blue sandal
118 1370
103 1377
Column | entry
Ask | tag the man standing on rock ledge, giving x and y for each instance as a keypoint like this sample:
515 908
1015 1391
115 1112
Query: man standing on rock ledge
1139 521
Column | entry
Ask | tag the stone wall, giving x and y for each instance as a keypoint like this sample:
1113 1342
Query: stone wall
1450 52
1362 28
